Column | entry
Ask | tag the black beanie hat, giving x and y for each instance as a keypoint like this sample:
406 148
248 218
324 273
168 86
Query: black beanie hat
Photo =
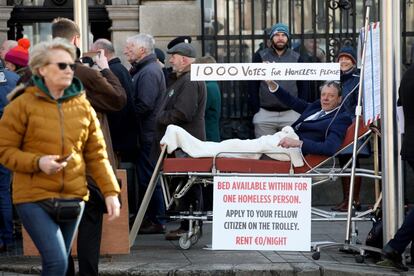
179 39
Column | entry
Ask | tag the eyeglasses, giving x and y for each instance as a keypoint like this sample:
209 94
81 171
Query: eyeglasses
62 66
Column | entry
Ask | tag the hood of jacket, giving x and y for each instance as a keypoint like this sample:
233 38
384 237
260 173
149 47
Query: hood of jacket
74 89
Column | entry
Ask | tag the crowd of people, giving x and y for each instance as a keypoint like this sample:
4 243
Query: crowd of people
68 120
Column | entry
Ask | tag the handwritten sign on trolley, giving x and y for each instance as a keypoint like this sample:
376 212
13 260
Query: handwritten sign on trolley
262 213
265 71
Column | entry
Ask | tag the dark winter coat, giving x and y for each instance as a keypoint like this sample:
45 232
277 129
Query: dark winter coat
6 87
213 110
406 93
322 136
105 93
350 86
148 93
122 124
183 106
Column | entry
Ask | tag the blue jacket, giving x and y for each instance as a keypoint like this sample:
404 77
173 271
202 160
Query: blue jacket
321 136
6 87
350 84
149 92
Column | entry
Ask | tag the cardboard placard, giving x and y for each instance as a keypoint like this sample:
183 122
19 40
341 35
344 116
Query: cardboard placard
262 213
265 71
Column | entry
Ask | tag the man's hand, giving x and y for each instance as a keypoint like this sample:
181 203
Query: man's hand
290 143
49 165
272 85
112 206
101 60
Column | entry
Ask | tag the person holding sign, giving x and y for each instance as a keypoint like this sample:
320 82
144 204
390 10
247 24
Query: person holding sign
320 130
322 124
272 114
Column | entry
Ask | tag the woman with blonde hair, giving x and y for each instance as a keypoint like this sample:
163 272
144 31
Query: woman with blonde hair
49 137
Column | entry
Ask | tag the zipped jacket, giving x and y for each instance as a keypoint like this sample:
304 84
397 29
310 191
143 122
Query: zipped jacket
35 124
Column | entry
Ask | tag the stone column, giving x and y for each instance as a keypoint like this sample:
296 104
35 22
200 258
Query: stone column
5 12
125 23
166 20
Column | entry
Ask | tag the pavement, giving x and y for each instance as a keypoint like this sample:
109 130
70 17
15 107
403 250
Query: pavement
153 255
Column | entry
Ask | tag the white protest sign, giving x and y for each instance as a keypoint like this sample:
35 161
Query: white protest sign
265 71
262 213
372 74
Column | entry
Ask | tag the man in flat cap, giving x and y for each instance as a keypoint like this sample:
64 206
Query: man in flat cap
271 114
184 106
172 43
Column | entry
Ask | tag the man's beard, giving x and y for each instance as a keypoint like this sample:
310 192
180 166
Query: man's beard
280 46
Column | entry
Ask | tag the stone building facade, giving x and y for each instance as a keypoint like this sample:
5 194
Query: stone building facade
161 18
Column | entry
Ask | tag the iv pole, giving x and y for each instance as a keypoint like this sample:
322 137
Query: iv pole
358 112
347 246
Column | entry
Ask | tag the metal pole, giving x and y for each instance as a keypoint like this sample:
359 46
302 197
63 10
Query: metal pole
376 164
147 197
357 117
390 57
80 13
397 16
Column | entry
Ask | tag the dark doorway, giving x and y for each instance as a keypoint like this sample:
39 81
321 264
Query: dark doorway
34 21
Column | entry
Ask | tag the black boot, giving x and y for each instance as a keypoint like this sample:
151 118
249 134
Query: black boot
394 257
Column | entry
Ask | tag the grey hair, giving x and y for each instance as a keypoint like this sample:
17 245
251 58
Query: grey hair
105 44
143 40
40 53
10 44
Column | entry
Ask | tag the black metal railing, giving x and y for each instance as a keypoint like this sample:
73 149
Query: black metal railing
234 29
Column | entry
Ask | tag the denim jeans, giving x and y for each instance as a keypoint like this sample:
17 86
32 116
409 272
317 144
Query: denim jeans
6 212
53 240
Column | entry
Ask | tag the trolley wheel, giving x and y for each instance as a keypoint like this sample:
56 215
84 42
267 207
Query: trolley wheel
195 237
316 255
359 259
184 242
